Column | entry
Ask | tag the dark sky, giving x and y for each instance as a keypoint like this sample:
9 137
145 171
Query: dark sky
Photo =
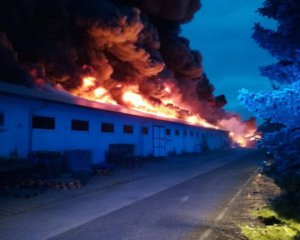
222 31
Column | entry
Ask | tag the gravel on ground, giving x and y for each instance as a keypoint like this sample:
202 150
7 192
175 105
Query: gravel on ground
256 195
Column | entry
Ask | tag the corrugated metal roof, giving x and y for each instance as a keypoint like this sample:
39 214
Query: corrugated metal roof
67 98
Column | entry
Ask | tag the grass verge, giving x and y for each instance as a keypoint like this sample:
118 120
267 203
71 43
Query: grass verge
272 227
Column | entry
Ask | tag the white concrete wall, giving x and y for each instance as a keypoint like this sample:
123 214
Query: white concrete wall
181 143
63 138
17 132
14 134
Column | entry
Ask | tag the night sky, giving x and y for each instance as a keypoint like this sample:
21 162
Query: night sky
222 31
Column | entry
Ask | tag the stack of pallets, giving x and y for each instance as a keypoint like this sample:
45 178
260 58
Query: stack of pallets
103 169
64 183
122 154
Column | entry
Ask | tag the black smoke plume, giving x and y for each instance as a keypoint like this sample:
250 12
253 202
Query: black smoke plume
57 42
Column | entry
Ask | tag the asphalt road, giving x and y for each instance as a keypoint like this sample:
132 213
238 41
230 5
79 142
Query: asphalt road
173 213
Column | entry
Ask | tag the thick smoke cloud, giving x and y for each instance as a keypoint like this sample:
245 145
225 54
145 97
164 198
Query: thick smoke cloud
173 10
58 42
9 67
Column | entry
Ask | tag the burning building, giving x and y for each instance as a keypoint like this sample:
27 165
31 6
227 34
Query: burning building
36 120
128 54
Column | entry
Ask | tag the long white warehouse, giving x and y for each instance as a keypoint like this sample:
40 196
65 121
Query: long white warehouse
39 120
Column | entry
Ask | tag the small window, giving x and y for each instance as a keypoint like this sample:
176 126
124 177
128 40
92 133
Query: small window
145 131
177 132
127 129
192 133
41 122
107 127
80 125
168 132
184 133
1 119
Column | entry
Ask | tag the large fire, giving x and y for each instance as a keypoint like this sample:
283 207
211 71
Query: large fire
119 52
168 107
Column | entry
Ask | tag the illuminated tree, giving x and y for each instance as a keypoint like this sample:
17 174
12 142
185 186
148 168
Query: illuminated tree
282 105
284 42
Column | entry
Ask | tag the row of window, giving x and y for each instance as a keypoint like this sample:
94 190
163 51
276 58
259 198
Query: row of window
41 122
177 133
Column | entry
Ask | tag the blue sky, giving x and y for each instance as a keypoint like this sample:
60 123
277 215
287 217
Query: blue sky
222 31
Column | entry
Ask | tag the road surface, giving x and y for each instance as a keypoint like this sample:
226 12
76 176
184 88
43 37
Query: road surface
170 205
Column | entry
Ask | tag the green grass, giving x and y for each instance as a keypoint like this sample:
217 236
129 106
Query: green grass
275 227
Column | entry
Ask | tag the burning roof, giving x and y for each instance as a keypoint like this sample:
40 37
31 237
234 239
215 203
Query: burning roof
120 52
69 99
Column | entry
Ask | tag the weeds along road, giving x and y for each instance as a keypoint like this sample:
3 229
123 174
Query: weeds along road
169 204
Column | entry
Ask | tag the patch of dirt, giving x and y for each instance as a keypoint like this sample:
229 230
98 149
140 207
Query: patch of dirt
255 196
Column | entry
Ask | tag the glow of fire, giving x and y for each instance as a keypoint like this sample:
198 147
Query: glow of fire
168 90
139 103
134 99
92 89
245 140
197 120
89 82
100 91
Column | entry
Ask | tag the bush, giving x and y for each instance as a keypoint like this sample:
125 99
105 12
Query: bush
284 168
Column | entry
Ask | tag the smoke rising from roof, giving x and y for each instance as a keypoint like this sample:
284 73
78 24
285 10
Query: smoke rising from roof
120 43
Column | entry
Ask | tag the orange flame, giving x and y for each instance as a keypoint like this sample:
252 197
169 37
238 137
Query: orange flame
134 99
93 89
88 82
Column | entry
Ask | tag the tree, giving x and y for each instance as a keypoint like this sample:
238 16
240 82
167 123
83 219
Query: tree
284 42
282 105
